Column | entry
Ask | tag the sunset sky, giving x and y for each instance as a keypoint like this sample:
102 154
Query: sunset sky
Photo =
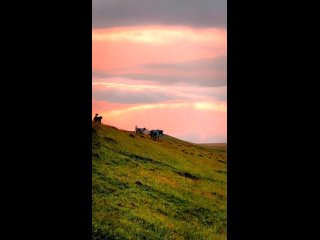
161 64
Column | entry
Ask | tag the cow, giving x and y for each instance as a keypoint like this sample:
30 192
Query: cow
146 132
140 130
155 134
160 131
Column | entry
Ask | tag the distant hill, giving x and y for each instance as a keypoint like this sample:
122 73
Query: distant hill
217 146
213 144
167 189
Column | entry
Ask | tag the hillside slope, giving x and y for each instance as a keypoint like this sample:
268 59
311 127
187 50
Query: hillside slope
145 189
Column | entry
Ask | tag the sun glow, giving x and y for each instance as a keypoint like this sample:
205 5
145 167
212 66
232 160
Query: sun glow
159 34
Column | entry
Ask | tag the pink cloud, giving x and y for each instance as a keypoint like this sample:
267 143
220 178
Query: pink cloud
116 48
163 95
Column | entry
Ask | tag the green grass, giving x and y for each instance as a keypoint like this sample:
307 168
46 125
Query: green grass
145 189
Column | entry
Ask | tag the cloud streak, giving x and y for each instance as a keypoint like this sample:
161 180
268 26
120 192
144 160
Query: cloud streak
210 81
203 72
158 34
218 63
131 93
187 72
130 96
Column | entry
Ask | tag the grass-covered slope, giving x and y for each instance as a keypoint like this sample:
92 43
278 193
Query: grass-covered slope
145 189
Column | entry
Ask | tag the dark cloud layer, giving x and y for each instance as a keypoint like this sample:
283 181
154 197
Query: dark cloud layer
130 97
218 64
196 13
163 80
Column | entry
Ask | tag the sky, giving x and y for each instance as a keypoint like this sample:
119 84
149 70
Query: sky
161 64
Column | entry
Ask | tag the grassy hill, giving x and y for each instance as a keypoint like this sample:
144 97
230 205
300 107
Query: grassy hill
214 145
145 189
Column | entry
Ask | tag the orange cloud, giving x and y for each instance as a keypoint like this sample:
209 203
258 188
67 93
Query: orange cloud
159 35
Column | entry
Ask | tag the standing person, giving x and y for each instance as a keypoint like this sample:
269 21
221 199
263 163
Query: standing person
96 118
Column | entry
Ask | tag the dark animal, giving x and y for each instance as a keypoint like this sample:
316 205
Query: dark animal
140 130
96 118
155 134
160 131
